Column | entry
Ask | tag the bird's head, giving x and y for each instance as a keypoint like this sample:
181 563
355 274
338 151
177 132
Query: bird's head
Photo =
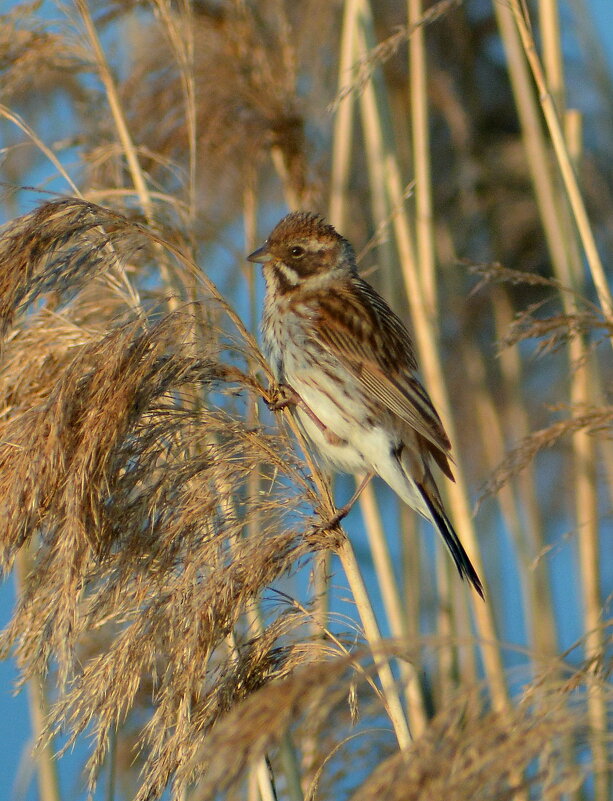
304 248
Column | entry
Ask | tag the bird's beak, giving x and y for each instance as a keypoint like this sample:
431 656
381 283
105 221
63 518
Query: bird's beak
261 255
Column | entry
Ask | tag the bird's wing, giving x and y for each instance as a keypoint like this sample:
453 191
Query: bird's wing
370 341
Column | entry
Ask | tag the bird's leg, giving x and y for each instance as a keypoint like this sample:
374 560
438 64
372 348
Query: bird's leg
344 510
287 396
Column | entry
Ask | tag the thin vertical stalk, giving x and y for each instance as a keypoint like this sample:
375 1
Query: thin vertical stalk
446 684
537 152
363 605
111 786
373 637
117 112
410 546
426 259
250 226
564 160
518 39
252 783
549 23
584 446
362 601
291 768
48 779
536 591
321 591
265 786
539 611
428 352
182 43
376 120
420 128
382 561
584 390
342 136
123 132
342 133
586 511
368 502
388 585
411 571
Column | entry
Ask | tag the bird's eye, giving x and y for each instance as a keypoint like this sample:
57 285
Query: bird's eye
297 252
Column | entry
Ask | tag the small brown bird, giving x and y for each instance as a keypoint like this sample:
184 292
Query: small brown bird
346 365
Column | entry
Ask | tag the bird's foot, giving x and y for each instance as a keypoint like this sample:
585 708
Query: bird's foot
284 396
281 397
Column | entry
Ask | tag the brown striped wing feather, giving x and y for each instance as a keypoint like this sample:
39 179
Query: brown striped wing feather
370 341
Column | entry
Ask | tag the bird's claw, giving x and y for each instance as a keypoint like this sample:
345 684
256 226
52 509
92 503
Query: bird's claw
277 405
281 397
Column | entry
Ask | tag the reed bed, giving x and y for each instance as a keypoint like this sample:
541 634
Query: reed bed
182 607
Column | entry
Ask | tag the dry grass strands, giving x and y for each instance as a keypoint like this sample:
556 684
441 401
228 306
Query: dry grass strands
594 421
218 722
35 59
83 475
58 248
494 272
557 330
245 74
124 468
467 751
255 726
383 52
60 457
468 756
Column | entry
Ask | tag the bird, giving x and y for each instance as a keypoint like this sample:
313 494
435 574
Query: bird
345 365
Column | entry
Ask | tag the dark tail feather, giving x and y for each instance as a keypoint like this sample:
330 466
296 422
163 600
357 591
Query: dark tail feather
452 541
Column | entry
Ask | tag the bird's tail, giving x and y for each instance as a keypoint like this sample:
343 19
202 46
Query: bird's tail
429 493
